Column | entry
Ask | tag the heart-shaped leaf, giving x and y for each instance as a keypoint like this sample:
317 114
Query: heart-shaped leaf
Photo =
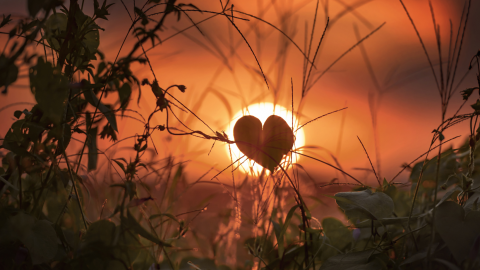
458 230
265 146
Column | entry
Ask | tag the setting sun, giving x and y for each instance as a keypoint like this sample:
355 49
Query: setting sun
262 111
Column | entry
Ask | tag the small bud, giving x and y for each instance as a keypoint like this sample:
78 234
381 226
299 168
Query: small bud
145 81
182 88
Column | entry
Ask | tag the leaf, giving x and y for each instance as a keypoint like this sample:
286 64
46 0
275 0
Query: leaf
50 88
41 241
121 244
101 231
266 145
131 223
90 41
355 261
137 202
337 233
119 163
102 12
448 264
92 99
39 237
473 202
468 92
365 204
62 136
141 15
130 189
5 20
8 72
389 221
17 114
92 149
34 6
448 165
458 230
108 132
280 237
124 93
476 106
87 37
454 191
172 217
55 27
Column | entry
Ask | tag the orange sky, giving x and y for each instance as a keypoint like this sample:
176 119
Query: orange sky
407 115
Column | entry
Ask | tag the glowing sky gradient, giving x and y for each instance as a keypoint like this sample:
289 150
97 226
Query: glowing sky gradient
222 77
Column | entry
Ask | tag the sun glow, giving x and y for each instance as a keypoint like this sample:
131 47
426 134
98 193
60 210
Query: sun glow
262 111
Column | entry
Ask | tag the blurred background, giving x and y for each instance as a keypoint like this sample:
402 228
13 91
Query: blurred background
390 81
222 77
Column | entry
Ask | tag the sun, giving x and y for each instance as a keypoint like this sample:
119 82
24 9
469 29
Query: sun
262 111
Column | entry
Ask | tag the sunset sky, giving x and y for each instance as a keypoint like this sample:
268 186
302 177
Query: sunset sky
222 77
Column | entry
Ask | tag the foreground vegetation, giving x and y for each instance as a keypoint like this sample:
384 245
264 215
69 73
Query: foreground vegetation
47 220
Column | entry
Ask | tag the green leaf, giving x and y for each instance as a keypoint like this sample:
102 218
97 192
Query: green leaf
473 202
86 39
355 261
131 223
41 241
365 204
92 99
38 236
281 246
448 264
337 233
55 30
90 39
101 231
51 90
458 230
122 244
144 260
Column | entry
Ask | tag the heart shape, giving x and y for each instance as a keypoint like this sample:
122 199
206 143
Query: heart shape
265 146
458 230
